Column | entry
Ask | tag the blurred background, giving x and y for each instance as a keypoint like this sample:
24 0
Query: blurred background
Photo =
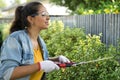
7 7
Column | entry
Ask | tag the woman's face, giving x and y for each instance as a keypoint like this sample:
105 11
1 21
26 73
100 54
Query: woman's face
41 20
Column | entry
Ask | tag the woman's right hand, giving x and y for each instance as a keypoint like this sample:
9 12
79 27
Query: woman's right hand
48 66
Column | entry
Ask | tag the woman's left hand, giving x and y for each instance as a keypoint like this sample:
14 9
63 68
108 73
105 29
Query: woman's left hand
63 59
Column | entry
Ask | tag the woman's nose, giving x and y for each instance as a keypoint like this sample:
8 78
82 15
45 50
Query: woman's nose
48 17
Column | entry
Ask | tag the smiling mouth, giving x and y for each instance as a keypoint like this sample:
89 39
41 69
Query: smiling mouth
47 23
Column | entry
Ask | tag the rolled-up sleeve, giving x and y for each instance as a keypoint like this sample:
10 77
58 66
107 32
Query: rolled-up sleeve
10 57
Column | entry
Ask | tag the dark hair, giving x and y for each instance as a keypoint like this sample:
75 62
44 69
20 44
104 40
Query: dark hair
21 13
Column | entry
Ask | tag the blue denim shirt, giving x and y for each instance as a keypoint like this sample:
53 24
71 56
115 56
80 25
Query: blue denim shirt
17 50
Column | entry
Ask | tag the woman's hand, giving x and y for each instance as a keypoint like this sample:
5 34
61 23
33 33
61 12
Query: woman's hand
48 66
63 59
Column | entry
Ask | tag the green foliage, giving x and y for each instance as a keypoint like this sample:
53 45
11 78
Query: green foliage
2 3
62 37
1 28
77 46
4 31
17 1
90 6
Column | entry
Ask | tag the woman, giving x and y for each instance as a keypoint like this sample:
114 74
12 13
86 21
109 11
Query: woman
24 55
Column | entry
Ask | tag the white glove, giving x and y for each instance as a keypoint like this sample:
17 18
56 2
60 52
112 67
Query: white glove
48 66
63 59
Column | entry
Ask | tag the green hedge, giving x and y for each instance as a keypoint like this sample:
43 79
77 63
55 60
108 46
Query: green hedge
4 31
78 47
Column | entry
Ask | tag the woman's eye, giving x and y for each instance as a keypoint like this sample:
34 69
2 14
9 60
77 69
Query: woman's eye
45 14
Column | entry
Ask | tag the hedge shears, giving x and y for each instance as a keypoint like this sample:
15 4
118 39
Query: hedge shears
70 64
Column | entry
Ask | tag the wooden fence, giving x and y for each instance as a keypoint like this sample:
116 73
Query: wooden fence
5 20
107 24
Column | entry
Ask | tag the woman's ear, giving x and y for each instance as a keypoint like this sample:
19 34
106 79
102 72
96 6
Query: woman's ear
30 20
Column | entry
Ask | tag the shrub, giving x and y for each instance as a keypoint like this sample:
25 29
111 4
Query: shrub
1 27
4 31
77 46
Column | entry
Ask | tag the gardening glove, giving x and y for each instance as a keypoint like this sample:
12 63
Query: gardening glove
48 66
63 59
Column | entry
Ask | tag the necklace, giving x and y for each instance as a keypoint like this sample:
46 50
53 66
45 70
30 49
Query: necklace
35 44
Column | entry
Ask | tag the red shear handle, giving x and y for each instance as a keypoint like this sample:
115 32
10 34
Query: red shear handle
63 65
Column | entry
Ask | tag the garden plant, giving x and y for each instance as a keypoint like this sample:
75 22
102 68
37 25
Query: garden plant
78 47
